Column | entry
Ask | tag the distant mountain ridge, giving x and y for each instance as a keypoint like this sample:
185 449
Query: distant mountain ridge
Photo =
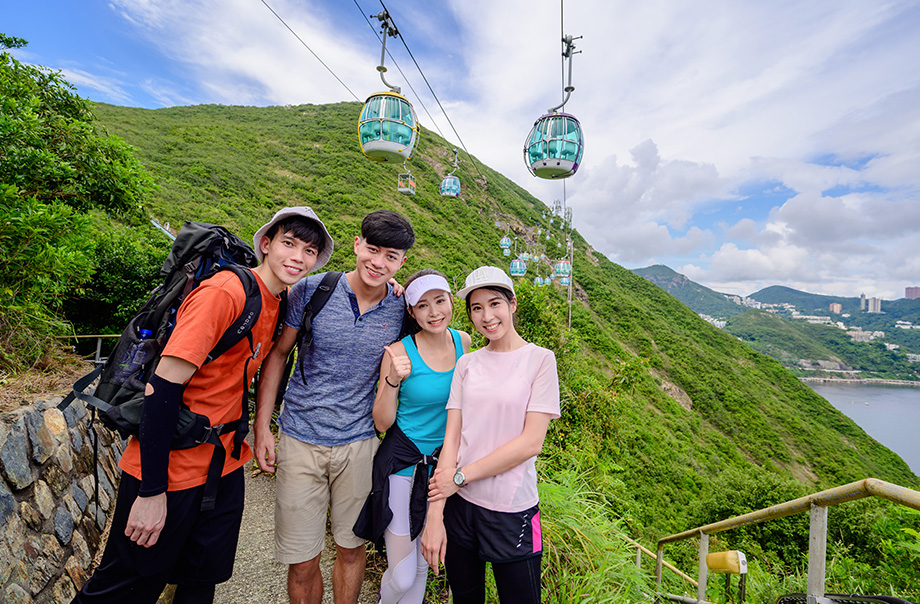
804 301
788 340
699 298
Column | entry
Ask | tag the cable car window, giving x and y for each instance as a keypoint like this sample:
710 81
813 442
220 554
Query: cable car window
571 130
568 151
401 133
534 136
537 152
370 131
371 109
393 108
390 130
407 116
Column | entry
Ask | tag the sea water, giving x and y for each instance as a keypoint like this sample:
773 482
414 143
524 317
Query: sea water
889 414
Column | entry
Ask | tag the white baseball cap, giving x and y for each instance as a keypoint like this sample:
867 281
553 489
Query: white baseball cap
486 276
303 212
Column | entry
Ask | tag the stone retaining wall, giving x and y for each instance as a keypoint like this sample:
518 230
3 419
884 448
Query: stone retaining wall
50 525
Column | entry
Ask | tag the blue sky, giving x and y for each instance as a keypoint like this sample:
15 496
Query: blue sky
743 143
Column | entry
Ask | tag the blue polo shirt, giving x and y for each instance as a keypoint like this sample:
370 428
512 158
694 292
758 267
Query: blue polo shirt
330 404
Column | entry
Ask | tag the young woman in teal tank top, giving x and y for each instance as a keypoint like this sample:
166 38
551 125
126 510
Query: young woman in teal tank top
415 378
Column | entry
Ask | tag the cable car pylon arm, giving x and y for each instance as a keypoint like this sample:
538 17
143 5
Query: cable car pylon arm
569 50
388 28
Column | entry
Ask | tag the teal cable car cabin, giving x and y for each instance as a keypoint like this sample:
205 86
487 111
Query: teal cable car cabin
554 146
388 128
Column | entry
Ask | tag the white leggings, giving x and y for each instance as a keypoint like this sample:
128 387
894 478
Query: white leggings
407 572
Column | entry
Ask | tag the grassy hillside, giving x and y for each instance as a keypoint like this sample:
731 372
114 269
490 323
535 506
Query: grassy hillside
657 404
791 340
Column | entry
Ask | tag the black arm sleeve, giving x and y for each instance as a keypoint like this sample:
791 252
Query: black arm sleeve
158 424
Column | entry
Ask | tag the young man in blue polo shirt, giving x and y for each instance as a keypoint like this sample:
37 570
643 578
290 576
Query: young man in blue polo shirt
327 438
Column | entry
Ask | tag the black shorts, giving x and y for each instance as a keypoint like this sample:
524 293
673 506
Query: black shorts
495 536
195 547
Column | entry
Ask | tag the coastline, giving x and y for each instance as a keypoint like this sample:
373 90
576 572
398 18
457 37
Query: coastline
828 380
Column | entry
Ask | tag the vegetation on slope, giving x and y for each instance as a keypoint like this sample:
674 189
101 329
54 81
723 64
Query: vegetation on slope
792 340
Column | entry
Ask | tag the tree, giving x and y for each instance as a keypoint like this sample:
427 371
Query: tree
55 165
50 147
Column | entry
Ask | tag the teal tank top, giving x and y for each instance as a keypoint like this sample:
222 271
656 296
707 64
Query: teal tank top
421 413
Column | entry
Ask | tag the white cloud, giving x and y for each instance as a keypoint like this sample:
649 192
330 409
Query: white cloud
110 88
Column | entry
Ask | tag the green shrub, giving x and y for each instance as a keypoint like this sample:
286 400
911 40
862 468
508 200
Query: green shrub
45 255
127 262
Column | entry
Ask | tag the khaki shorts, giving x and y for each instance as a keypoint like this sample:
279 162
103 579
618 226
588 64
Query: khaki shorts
312 479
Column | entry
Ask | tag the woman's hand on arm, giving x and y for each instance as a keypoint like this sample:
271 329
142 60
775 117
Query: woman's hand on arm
397 288
515 452
441 485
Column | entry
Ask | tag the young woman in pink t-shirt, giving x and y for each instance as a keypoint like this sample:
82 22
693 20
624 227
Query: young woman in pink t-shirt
501 401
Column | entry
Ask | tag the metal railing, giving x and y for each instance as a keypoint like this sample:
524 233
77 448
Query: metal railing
816 504
640 549
98 358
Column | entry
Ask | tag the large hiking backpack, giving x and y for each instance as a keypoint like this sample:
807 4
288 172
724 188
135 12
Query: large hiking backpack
199 252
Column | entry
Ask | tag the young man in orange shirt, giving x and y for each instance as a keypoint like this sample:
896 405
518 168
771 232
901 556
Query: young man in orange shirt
160 533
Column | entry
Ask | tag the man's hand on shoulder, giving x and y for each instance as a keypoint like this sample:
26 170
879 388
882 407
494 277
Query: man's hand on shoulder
397 288
146 520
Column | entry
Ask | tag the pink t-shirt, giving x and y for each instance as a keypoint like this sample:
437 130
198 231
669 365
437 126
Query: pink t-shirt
494 392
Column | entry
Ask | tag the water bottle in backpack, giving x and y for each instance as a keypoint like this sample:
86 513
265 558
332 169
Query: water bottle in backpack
134 358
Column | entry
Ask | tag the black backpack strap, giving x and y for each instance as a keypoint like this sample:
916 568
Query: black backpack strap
315 304
244 323
79 392
240 427
282 315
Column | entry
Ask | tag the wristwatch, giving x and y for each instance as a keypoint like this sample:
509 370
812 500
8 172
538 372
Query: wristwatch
459 478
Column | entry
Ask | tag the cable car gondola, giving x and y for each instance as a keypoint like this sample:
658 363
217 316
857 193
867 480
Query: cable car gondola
388 127
405 184
518 268
450 186
563 268
555 145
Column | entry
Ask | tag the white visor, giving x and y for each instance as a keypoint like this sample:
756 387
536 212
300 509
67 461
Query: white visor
424 284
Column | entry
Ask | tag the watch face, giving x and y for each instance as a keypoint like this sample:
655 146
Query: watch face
459 478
